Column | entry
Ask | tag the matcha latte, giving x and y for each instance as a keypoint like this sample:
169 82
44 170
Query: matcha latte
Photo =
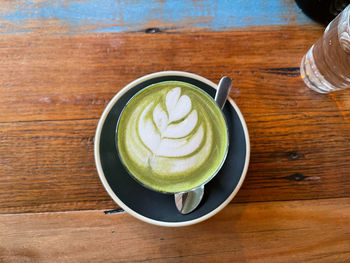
172 137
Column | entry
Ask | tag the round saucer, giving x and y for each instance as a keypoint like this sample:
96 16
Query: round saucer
157 208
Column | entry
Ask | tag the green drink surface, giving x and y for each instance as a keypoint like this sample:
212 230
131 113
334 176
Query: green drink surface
172 137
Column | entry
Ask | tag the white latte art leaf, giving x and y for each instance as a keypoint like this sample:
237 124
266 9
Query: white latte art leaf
180 147
177 107
171 98
181 165
160 118
183 128
166 139
135 147
148 132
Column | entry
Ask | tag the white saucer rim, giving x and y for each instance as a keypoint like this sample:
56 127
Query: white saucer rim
98 160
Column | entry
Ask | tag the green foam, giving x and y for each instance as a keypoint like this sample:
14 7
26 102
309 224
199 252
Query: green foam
161 179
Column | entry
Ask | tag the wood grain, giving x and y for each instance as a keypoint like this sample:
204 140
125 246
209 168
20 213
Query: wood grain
55 88
49 166
79 17
294 231
74 77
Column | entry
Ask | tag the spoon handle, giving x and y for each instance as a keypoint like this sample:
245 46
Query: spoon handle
223 91
188 201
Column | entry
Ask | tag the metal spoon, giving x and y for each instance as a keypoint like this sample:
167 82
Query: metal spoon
188 201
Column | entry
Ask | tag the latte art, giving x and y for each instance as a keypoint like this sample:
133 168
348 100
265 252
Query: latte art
161 133
167 139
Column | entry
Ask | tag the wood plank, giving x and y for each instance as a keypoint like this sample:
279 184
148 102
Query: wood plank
72 16
299 139
293 231
49 165
74 77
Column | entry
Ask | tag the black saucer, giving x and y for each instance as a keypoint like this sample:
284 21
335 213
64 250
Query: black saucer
154 207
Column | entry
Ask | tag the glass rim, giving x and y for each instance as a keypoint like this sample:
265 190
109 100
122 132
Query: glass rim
344 20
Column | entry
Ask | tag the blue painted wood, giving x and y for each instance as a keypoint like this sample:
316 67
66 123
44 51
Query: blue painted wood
116 16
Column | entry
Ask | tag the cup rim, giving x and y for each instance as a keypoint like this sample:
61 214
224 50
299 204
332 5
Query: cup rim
207 180
98 160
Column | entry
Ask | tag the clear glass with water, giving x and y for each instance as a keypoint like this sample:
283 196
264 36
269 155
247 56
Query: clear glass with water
326 66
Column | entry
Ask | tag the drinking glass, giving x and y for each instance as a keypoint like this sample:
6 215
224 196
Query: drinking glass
326 66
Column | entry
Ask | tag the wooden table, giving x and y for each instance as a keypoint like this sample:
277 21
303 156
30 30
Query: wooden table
62 61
